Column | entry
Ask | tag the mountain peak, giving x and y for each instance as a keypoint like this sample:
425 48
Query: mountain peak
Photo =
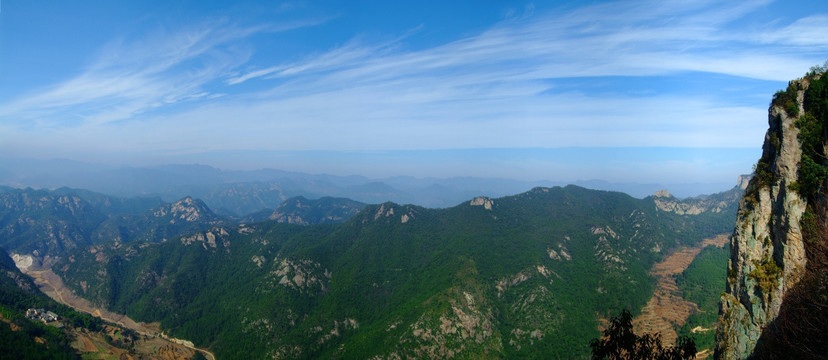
186 209
301 211
663 194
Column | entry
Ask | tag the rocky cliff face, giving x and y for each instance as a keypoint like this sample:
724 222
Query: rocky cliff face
716 203
767 248
186 209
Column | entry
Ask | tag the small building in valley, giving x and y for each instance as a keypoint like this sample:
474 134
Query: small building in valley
42 315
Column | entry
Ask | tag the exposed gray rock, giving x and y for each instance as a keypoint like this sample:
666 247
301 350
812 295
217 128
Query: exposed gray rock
767 235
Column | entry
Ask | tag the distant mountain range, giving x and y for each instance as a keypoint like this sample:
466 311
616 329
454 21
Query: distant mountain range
526 275
522 276
301 211
239 193
51 223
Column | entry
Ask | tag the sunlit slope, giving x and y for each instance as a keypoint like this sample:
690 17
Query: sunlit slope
520 276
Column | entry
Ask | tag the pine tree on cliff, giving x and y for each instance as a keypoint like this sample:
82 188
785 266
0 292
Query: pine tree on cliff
620 342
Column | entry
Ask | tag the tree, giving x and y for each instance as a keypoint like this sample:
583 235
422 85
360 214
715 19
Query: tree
620 342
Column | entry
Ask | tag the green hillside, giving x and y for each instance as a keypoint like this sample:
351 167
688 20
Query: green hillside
524 276
22 338
702 283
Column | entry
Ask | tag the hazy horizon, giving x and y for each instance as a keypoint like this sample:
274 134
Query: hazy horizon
642 92
99 177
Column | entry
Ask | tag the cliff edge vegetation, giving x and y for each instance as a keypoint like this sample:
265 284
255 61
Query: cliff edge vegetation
776 298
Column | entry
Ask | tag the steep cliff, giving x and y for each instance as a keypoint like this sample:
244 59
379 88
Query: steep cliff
775 234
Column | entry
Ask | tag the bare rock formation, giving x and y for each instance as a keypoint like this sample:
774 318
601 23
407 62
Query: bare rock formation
767 250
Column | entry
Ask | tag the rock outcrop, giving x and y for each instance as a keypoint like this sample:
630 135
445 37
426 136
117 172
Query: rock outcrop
767 249
186 209
722 202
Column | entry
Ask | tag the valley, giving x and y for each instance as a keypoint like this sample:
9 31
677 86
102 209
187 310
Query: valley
668 309
665 311
516 276
525 275
389 180
51 285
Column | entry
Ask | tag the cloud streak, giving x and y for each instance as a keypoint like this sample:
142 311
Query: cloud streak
617 39
489 89
128 78
500 88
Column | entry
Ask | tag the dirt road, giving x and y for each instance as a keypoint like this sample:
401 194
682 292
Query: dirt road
52 285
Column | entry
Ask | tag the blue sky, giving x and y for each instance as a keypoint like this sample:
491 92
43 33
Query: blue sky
633 91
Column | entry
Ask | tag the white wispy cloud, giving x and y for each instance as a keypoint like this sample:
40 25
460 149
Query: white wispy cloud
624 39
497 88
128 77
811 31
488 89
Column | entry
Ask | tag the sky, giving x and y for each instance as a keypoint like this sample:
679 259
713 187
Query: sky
625 91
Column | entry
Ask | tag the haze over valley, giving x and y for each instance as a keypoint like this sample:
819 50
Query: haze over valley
413 180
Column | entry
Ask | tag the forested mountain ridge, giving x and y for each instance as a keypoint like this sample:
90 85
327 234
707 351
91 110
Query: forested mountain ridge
47 224
301 211
160 223
113 205
43 223
519 276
